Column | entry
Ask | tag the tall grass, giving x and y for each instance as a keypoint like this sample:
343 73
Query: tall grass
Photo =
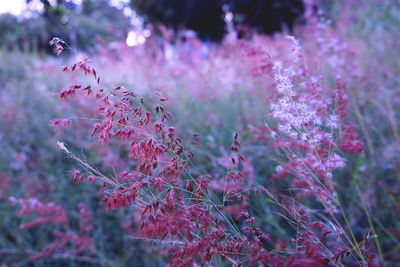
271 151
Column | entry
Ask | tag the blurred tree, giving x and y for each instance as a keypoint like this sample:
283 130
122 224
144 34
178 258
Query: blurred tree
207 16
82 26
203 16
267 16
28 34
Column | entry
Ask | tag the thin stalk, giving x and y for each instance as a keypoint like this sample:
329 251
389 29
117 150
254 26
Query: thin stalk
378 246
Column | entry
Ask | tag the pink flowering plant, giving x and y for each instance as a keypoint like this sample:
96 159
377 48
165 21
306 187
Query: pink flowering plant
272 151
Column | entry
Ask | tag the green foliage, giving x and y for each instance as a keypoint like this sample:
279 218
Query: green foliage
82 28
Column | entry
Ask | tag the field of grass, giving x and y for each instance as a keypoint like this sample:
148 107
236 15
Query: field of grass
271 151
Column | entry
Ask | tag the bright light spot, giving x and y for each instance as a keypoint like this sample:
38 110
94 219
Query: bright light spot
228 17
141 39
134 39
53 2
146 33
20 7
136 21
169 52
14 7
118 3
77 2
36 6
127 11
131 39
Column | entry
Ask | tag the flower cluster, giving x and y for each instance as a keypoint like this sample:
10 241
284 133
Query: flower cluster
206 216
173 204
53 213
309 117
